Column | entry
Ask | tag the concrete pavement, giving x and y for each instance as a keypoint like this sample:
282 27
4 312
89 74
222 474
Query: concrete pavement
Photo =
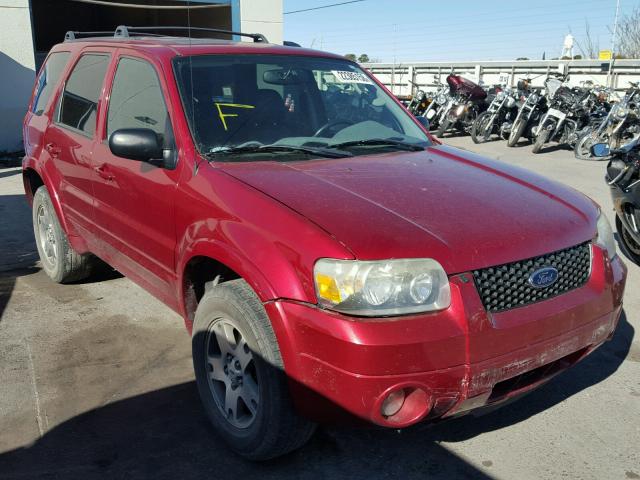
96 382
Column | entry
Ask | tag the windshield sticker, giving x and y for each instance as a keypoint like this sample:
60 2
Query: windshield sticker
351 77
223 116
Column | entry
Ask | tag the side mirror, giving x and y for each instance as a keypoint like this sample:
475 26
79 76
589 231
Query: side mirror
600 150
424 122
140 144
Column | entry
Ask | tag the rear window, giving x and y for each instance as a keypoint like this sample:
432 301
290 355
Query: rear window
48 79
79 103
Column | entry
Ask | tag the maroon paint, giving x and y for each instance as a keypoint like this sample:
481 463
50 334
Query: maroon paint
270 222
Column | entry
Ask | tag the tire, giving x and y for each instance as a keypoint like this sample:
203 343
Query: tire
256 418
517 129
632 249
60 262
444 126
478 130
541 139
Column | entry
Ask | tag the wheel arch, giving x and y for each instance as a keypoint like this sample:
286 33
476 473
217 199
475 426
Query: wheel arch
32 179
211 262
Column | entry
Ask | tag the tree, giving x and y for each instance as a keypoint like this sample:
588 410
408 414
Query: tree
588 46
363 58
628 35
521 58
577 57
351 56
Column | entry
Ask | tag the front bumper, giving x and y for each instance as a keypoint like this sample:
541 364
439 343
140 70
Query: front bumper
448 362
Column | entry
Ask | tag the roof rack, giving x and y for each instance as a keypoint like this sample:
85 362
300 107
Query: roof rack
126 31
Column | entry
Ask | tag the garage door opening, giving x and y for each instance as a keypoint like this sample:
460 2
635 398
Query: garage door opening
51 20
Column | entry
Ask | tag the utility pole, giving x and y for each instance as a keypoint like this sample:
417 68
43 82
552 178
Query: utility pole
614 37
393 69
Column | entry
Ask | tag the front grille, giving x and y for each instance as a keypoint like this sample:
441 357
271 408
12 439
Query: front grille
507 286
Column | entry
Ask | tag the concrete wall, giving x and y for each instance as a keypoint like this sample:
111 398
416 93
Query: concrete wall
398 77
17 70
262 16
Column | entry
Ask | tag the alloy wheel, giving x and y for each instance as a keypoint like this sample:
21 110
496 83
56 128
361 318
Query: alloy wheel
232 374
46 236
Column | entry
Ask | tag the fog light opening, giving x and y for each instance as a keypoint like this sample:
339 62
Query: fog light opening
393 403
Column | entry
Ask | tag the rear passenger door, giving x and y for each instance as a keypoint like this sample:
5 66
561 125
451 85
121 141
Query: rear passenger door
135 200
70 139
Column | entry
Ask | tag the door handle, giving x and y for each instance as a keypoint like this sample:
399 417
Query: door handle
103 172
53 149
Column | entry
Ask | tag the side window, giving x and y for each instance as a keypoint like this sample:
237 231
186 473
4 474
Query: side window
136 99
48 79
79 103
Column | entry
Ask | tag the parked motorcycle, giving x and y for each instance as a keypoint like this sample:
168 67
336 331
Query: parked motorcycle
466 101
419 101
532 107
623 176
439 99
498 118
567 116
618 127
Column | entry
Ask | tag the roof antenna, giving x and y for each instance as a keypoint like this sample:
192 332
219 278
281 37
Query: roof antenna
196 164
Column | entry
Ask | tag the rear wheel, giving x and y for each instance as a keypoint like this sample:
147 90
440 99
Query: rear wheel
481 129
61 263
240 374
541 139
517 129
628 242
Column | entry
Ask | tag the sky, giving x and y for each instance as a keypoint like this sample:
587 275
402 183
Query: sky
450 30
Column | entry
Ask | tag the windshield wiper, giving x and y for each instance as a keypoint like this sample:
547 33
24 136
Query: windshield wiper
410 147
321 152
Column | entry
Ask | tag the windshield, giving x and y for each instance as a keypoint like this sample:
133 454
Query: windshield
241 103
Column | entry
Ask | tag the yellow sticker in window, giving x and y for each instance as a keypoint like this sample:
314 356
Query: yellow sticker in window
223 116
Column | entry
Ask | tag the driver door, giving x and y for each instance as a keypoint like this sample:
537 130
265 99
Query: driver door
135 200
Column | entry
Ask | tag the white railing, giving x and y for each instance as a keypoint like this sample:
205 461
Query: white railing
402 78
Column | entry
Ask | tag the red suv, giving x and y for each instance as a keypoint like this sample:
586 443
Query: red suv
327 256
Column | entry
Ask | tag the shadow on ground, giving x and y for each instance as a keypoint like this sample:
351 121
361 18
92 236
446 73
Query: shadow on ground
165 434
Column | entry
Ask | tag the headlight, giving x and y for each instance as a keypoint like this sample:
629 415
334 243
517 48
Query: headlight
621 112
605 237
460 110
378 288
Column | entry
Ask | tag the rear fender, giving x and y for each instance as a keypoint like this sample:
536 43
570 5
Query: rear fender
51 179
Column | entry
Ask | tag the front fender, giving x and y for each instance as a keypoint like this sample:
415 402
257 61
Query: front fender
266 243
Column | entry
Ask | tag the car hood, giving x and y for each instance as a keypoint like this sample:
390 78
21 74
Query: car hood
459 208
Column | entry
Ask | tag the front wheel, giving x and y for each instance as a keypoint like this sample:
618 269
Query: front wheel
444 126
240 374
628 242
517 129
582 149
481 128
59 260
541 139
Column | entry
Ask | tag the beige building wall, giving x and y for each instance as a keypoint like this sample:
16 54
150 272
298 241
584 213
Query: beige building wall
17 70
262 16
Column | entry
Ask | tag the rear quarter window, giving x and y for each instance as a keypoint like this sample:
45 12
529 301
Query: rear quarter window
48 80
79 103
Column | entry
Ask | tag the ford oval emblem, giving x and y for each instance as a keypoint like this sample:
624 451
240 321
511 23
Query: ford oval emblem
543 277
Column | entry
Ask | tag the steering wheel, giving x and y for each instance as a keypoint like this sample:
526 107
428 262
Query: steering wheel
332 125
